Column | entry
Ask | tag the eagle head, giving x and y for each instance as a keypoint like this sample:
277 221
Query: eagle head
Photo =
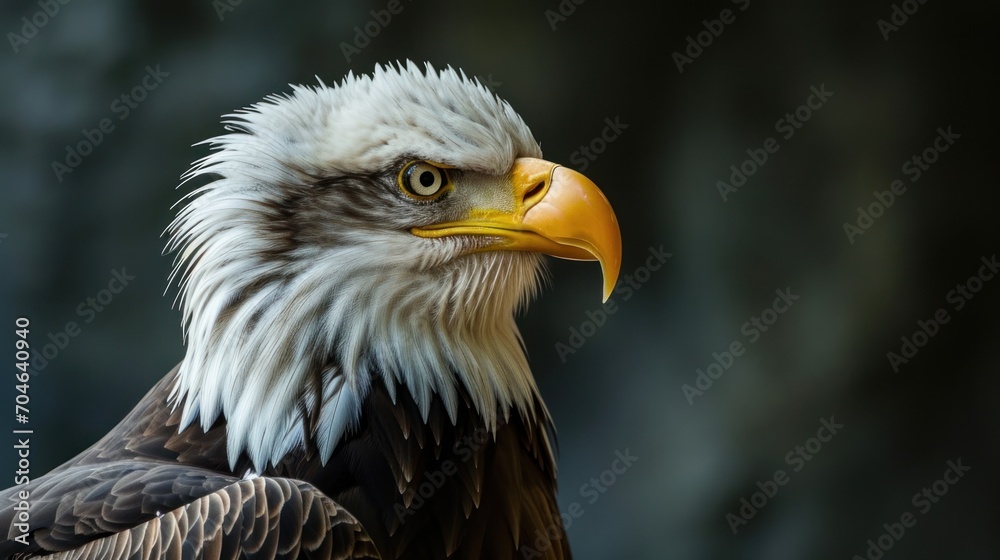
381 231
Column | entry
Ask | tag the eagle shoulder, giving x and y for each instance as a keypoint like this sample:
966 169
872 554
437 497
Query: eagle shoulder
145 511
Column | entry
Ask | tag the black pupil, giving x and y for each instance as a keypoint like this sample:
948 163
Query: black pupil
426 178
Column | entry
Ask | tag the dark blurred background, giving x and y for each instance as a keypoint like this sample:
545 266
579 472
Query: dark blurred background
570 72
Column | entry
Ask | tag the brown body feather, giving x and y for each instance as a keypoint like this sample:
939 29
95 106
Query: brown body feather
397 486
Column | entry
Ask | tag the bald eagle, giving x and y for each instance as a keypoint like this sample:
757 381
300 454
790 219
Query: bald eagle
354 383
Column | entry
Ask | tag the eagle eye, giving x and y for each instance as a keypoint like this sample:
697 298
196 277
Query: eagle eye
422 180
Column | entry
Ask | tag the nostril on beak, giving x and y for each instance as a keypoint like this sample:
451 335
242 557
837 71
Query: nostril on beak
534 194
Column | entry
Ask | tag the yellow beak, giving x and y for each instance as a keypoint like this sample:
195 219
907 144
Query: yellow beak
555 210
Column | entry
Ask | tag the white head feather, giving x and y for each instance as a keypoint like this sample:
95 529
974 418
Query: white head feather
287 281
